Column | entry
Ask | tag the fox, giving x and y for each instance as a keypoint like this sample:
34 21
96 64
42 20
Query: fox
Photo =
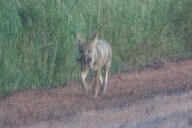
95 55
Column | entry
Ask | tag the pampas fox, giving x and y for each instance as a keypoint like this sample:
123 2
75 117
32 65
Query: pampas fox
94 54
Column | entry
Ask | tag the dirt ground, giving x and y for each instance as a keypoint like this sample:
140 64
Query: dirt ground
151 98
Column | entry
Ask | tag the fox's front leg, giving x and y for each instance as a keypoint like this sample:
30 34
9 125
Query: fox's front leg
96 84
83 77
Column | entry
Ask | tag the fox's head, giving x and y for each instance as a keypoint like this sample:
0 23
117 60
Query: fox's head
86 49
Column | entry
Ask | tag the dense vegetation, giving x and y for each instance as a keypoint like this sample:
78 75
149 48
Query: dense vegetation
38 44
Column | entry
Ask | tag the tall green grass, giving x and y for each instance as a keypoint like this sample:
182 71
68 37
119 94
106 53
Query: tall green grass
38 45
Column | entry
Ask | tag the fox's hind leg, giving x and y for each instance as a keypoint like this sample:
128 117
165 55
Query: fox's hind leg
83 77
101 80
104 87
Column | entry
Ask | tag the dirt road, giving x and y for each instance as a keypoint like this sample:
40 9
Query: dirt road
151 98
159 112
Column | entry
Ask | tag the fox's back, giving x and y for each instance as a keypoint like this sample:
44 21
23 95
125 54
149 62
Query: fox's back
103 51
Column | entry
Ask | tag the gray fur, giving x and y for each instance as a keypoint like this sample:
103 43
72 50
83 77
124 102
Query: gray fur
94 54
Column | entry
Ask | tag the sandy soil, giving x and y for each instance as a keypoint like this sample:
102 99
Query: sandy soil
151 98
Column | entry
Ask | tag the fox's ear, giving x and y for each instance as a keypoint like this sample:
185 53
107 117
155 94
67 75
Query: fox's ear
94 37
79 39
93 40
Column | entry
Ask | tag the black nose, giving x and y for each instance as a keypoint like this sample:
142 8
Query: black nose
89 60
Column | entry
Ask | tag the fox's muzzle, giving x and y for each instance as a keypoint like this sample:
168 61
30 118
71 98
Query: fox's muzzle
88 60
84 61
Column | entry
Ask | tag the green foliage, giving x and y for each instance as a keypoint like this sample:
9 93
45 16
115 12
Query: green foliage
38 44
